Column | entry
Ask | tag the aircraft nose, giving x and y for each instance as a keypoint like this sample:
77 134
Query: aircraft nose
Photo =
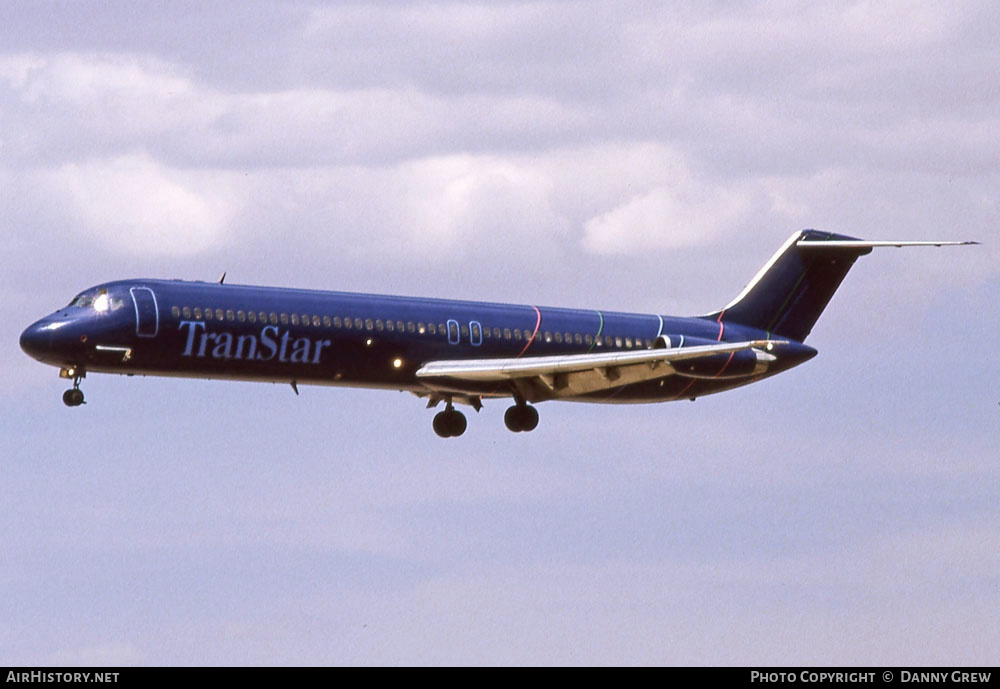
36 339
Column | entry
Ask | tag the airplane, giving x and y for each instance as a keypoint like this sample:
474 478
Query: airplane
455 352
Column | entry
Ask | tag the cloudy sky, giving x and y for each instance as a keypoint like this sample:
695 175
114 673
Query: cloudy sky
620 155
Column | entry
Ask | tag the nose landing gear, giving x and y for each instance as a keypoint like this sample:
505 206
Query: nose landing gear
74 396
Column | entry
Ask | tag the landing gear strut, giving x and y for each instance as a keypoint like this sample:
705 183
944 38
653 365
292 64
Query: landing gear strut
73 397
521 417
449 423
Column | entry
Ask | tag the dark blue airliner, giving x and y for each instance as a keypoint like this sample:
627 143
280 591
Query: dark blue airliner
456 352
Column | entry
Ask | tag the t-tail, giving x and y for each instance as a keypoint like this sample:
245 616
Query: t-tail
790 292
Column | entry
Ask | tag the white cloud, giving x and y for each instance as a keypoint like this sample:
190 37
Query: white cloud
135 205
457 202
663 219
90 79
69 106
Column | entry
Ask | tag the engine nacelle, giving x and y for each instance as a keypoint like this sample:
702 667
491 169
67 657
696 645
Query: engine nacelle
742 364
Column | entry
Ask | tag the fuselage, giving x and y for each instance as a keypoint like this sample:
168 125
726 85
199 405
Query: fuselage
240 332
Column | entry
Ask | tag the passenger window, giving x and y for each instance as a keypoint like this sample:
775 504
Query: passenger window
628 341
326 321
589 339
274 318
465 331
618 342
441 328
399 326
578 338
208 314
295 319
262 317
347 323
548 336
175 312
506 333
496 333
369 324
219 315
252 316
390 326
431 328
284 319
410 326
241 316
358 324
186 311
305 319
517 335
475 334
421 328
379 325
337 322
197 313
558 337
230 315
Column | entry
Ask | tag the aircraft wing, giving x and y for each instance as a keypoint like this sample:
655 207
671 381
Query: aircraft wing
569 375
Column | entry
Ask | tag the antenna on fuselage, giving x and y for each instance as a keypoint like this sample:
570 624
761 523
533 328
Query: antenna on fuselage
222 277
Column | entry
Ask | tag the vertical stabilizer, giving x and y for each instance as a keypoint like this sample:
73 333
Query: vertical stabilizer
790 292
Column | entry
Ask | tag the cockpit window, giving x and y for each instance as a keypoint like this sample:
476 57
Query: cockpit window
83 300
99 300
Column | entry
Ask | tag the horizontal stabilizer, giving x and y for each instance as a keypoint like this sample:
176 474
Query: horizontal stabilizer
861 244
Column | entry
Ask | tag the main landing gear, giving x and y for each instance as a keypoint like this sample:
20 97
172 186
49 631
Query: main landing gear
521 417
449 423
74 396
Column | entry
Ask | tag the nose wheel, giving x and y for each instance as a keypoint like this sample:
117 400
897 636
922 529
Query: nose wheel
74 396
449 423
521 418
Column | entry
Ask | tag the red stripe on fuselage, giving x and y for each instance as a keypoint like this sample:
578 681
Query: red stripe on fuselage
538 324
